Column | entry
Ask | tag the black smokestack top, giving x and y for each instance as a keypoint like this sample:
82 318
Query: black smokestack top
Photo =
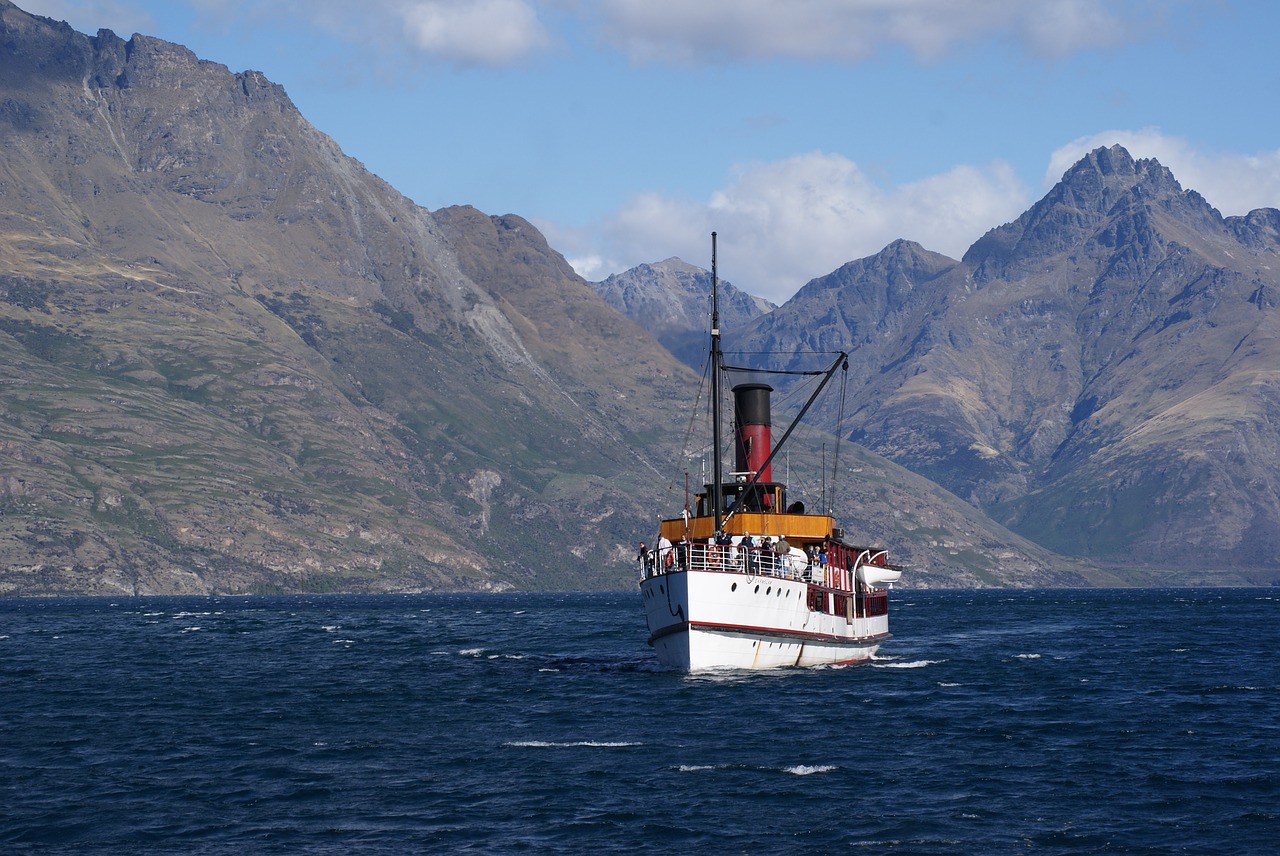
755 435
751 401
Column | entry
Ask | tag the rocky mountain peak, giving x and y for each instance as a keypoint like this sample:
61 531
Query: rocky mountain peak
904 263
671 300
1105 186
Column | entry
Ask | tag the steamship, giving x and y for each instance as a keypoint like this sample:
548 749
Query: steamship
745 579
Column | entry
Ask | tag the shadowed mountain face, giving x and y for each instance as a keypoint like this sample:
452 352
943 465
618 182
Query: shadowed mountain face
1100 374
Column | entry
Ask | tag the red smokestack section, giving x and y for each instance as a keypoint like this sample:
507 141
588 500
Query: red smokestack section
755 429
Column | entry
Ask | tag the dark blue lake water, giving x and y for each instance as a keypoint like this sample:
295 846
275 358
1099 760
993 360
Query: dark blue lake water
994 721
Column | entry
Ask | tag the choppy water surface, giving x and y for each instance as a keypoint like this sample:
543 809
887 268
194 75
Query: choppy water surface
1050 721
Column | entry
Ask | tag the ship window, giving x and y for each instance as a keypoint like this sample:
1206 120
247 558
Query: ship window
757 591
769 590
733 587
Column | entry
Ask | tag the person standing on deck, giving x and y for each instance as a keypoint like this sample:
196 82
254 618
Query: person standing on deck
666 555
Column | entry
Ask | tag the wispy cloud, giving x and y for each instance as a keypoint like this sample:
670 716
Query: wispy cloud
490 33
506 32
853 30
90 15
480 32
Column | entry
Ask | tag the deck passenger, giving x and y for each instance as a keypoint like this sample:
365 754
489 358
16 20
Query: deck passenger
748 545
666 554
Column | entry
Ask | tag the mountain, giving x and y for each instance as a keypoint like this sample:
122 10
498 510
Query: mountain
1099 374
672 301
233 360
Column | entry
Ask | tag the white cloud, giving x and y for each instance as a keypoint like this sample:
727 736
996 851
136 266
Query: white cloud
1233 183
784 223
467 32
852 30
481 32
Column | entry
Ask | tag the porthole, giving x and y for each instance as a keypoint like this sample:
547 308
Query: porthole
733 587
769 590
757 591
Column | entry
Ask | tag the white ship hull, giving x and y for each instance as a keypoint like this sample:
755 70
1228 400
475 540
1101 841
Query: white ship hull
707 619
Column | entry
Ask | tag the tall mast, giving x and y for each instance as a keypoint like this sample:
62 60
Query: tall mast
717 493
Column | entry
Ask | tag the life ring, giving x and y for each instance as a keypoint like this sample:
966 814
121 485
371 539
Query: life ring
713 556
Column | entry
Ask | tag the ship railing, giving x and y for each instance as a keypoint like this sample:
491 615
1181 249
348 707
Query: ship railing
758 561
755 561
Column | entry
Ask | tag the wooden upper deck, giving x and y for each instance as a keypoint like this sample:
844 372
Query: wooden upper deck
796 528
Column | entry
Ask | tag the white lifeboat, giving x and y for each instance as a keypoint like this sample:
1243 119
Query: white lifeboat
877 576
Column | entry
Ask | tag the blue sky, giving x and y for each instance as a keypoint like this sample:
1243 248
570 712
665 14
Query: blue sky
806 133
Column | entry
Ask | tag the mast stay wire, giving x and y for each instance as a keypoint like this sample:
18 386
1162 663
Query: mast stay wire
799 391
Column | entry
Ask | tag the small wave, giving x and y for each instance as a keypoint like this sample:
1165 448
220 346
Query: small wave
550 744
1026 656
807 770
191 629
472 652
948 684
914 664
694 768
330 628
